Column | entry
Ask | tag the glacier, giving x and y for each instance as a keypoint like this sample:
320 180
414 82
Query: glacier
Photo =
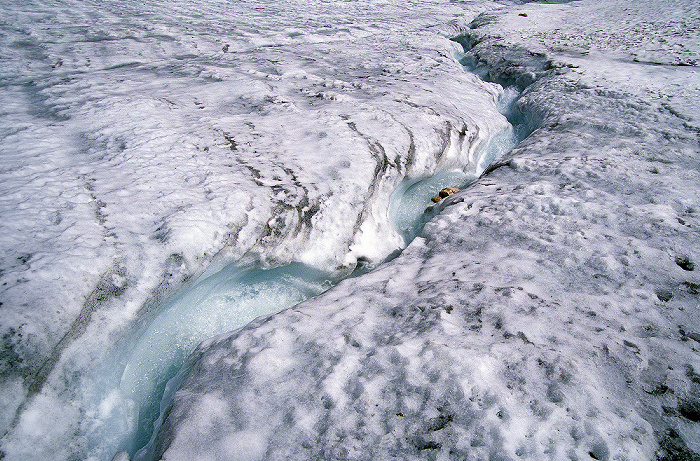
546 311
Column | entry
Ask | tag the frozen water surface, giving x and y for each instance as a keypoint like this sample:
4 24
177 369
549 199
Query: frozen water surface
546 311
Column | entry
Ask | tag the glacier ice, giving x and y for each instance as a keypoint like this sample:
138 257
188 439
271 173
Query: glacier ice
541 313
221 302
410 204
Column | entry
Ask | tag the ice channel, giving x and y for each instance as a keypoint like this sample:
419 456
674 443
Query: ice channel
227 299
410 205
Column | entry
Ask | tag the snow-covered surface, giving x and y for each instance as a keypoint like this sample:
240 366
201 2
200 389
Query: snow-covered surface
548 311
144 143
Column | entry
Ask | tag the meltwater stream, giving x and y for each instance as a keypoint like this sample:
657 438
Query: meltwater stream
216 303
232 297
409 207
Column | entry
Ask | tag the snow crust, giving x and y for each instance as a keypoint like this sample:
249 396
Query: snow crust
549 311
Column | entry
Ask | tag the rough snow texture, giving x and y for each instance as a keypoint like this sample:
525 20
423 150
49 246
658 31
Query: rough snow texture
549 312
